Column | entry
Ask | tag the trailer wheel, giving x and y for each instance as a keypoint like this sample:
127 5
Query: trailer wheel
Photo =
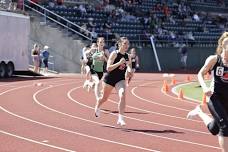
2 69
10 69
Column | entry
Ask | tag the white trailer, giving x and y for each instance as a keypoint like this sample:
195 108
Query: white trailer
14 39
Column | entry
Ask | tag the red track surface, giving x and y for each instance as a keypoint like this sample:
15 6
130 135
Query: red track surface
56 114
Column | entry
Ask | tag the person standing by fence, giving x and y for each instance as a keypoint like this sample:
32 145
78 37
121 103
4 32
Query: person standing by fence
45 57
36 58
183 50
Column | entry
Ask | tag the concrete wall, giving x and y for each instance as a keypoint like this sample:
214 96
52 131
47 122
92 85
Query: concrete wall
170 58
66 51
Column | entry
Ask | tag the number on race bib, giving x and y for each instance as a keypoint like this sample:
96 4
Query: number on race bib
219 71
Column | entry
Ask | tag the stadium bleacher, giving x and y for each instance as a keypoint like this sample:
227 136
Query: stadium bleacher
204 32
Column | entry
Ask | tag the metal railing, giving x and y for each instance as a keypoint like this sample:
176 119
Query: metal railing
144 40
139 39
47 14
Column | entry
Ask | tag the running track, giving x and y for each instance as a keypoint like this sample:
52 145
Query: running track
55 114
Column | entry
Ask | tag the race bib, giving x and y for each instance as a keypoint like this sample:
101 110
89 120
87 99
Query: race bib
122 66
219 71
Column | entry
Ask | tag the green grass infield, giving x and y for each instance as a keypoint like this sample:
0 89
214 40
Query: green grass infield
191 90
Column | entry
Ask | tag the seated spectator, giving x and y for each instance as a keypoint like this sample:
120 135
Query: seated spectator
113 47
107 25
190 38
51 3
45 57
196 17
59 2
82 9
173 38
13 5
91 24
84 29
94 33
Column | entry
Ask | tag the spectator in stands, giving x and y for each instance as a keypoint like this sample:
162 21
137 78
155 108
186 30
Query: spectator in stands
84 29
82 9
107 25
113 47
20 4
36 57
173 38
205 29
217 93
94 33
59 2
33 4
51 3
190 38
109 8
13 5
196 17
144 21
91 24
45 57
166 11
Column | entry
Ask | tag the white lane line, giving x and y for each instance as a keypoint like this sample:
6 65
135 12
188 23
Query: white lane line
10 90
197 102
179 140
15 83
113 114
123 144
76 133
184 118
153 102
174 91
69 96
36 142
157 113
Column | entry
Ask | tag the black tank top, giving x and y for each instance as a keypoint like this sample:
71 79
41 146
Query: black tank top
90 59
220 77
119 72
133 62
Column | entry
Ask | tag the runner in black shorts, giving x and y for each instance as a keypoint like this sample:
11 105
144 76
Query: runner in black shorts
97 69
87 56
218 103
82 60
117 65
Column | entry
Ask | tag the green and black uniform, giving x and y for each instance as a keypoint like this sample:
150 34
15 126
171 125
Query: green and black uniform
97 66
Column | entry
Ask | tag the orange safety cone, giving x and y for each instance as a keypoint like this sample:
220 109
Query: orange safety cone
165 86
188 78
181 94
204 99
173 81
